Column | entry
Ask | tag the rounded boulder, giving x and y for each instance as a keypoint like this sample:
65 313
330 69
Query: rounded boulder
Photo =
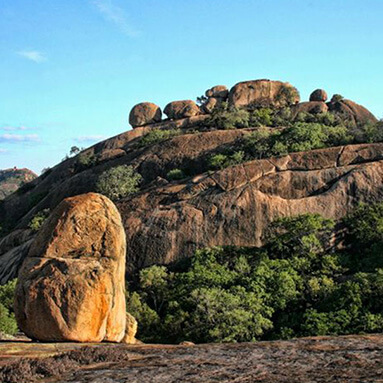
144 113
71 286
176 110
319 95
218 91
263 94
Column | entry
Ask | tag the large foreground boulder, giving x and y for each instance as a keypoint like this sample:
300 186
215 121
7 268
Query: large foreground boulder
263 93
71 286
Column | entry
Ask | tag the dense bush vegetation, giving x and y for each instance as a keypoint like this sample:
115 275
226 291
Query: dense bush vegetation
118 182
301 132
225 117
156 136
7 318
296 285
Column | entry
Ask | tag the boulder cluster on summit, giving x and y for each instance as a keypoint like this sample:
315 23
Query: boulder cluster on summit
251 95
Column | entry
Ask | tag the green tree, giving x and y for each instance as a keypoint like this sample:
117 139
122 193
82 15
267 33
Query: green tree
118 182
8 323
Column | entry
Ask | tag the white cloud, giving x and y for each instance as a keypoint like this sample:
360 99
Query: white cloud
2 151
15 128
35 56
14 138
90 138
116 15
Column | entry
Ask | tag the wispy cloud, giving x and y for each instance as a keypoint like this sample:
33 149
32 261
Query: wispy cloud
15 138
116 15
90 138
16 128
36 56
2 151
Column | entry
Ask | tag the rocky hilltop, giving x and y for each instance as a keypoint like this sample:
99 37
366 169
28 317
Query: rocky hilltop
12 179
168 218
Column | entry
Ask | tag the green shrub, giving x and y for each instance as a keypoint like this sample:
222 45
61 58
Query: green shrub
7 293
258 144
118 182
287 95
86 159
8 323
38 219
224 117
221 161
175 174
156 136
262 117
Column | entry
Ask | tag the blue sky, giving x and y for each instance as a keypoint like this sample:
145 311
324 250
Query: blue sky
71 70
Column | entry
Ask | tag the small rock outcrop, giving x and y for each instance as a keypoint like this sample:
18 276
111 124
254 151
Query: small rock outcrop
263 93
145 113
71 286
218 91
318 95
314 107
181 109
131 330
351 111
215 96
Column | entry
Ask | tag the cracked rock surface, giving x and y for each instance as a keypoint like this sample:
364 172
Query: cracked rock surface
166 221
342 359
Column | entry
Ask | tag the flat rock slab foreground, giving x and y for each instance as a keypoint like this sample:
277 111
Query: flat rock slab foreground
320 359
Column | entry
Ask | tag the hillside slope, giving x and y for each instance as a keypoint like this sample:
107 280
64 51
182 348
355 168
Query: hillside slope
12 179
169 219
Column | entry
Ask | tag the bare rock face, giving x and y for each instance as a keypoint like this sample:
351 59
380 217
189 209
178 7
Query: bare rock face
181 109
263 93
218 91
145 113
318 95
71 285
313 107
351 111
234 206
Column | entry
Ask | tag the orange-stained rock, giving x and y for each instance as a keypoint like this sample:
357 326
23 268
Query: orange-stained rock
181 109
131 330
144 113
263 93
71 286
